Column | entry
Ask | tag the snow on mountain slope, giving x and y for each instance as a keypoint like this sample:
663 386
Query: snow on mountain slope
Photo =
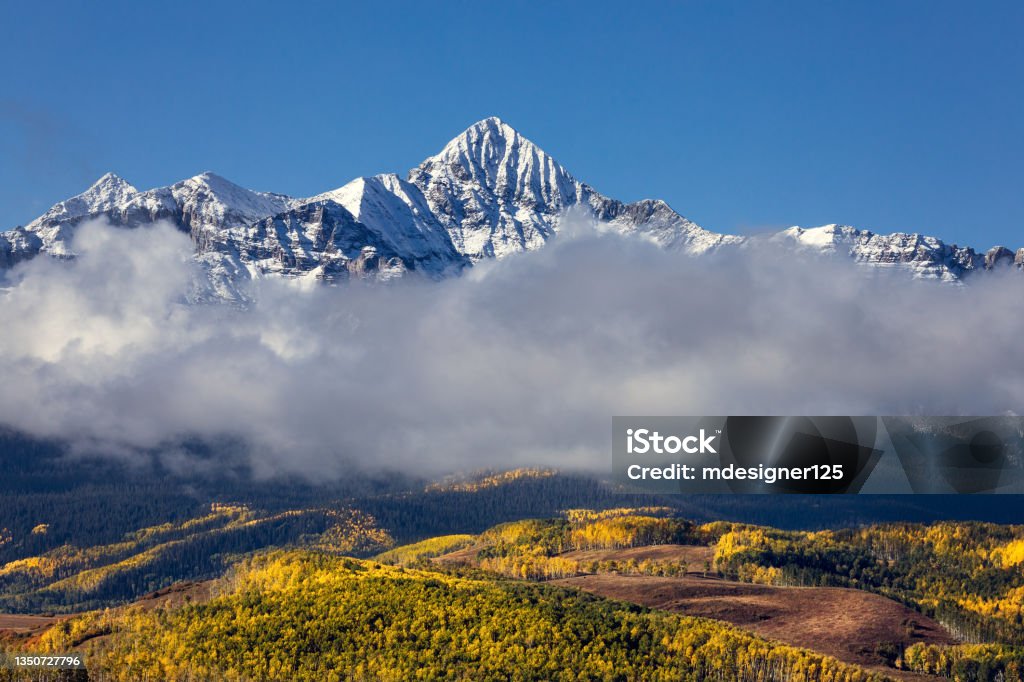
489 193
925 257
323 239
107 193
199 205
209 202
202 205
17 245
398 213
53 229
497 193
240 234
654 220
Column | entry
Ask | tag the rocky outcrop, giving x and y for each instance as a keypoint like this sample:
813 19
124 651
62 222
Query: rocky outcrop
924 257
998 257
489 193
18 245
497 194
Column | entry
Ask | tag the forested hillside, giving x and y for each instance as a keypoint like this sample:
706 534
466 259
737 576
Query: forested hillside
53 496
69 578
970 576
90 534
307 616
475 605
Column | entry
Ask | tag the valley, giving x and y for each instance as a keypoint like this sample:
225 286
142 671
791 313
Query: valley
894 599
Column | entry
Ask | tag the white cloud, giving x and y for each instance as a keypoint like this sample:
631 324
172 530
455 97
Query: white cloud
520 362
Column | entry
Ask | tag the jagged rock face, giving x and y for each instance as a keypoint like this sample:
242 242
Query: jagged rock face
107 193
398 214
497 194
200 206
17 245
324 240
489 193
925 257
53 230
239 234
998 257
206 204
655 220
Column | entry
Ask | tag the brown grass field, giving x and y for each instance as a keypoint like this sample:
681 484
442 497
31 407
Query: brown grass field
694 555
25 629
20 624
844 623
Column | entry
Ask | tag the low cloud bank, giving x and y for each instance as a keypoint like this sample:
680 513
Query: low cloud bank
519 362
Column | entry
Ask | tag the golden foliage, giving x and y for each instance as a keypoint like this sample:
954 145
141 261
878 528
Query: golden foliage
353 532
303 616
490 480
425 549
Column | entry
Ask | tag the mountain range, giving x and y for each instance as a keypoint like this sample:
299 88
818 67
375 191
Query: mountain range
489 193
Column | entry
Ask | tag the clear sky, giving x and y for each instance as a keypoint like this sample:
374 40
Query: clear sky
749 116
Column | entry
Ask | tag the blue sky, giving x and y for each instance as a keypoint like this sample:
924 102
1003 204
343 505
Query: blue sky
743 116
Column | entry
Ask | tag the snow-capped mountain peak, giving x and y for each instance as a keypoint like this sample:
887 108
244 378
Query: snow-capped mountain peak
216 202
498 193
926 257
497 157
398 213
109 190
499 153
106 193
214 182
201 205
824 237
488 193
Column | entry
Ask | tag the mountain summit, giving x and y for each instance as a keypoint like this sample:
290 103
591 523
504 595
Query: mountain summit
489 193
498 193
495 191
105 194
